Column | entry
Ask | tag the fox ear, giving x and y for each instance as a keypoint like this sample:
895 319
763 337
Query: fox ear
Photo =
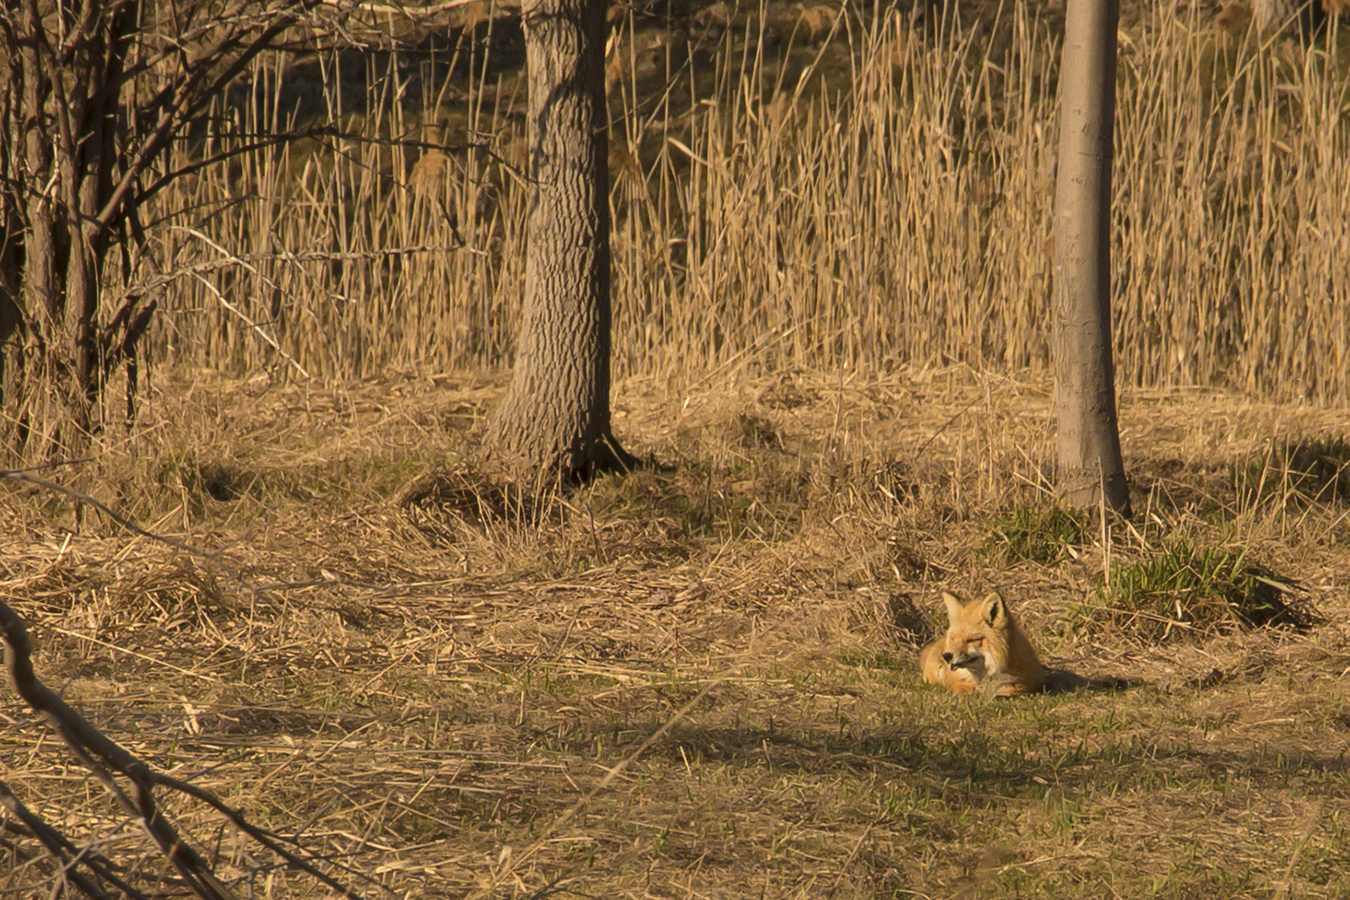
953 606
995 610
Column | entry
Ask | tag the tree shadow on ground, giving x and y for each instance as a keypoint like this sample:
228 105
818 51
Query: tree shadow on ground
970 759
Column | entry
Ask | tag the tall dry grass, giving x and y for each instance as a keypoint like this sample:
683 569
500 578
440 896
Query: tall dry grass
838 190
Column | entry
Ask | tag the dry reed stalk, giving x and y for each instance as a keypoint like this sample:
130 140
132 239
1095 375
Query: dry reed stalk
862 196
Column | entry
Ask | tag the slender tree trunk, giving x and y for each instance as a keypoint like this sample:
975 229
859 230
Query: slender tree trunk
11 260
1090 464
11 316
555 416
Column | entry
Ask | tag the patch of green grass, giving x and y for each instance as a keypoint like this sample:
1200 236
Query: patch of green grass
884 664
1187 589
1325 859
1037 534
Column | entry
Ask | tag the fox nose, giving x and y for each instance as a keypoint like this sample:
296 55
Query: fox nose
947 658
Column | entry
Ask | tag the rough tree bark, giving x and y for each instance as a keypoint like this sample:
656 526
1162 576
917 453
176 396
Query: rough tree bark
555 417
96 92
1090 464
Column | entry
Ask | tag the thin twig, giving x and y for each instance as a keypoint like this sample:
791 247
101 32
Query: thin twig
220 298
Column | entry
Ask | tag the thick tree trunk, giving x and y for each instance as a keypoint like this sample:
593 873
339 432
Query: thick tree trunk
555 416
1090 464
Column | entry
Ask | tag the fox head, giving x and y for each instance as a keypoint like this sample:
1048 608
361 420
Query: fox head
977 635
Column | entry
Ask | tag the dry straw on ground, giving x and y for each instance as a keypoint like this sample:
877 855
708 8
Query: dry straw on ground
698 680
692 681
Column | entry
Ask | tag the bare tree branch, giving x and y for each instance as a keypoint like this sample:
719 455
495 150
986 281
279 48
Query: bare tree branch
191 96
23 475
104 757
62 851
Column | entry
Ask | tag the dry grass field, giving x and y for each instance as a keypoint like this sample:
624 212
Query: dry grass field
698 680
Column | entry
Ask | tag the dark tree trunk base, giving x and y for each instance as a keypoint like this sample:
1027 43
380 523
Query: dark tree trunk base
517 445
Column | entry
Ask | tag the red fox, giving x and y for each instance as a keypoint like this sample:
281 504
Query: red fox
983 650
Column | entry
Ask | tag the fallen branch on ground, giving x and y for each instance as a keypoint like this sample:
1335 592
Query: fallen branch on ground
104 758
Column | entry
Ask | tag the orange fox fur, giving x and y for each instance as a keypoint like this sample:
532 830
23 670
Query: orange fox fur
983 650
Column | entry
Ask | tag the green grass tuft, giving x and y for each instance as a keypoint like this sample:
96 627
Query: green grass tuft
1187 589
1037 533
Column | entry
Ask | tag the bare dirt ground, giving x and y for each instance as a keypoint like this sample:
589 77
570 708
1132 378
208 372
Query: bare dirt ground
695 681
